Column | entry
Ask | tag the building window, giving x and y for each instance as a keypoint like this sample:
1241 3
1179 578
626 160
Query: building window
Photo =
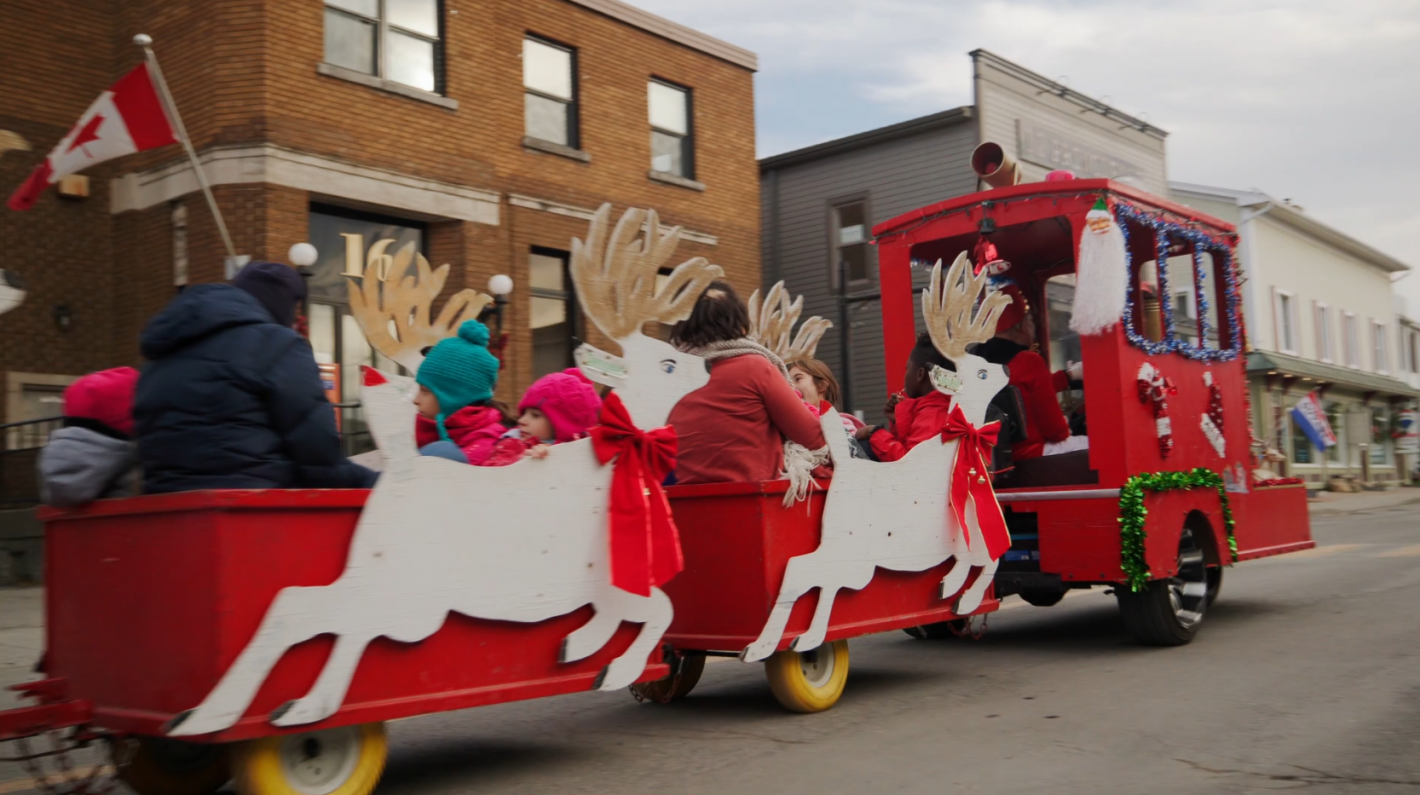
672 146
1284 310
550 92
553 315
1380 436
1325 339
1302 450
1380 355
397 40
1350 339
1412 350
850 242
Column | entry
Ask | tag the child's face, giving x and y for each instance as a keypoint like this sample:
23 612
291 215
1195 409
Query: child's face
535 424
427 404
805 384
915 382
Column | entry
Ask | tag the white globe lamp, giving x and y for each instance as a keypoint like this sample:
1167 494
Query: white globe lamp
303 255
500 285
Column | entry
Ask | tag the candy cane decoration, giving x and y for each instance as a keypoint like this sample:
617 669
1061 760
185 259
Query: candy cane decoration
1155 388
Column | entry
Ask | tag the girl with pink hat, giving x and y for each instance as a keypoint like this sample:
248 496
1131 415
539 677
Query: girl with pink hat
559 407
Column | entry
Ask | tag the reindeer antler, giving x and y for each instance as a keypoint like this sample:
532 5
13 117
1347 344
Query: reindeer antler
948 306
772 322
394 311
616 278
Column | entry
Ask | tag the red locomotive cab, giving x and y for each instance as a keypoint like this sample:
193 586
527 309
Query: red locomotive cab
1162 497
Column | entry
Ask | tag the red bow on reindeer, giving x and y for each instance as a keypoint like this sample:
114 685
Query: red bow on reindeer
645 546
972 477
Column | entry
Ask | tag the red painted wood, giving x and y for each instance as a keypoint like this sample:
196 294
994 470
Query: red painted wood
737 539
1038 230
150 599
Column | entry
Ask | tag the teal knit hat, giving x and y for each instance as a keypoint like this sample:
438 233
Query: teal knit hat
460 371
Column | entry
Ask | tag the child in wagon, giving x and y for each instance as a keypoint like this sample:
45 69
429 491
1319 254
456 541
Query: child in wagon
559 407
919 412
457 419
93 456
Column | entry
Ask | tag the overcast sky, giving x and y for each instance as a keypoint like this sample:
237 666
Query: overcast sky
1316 101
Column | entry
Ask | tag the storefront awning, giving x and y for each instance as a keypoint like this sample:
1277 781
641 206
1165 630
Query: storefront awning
1267 363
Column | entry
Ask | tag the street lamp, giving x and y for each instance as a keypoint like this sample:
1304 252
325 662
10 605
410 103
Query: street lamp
500 285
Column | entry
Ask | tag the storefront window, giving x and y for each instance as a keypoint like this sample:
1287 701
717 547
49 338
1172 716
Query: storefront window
1335 415
1302 450
553 312
1380 436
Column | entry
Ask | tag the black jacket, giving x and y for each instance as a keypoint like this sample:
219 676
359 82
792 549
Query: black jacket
231 400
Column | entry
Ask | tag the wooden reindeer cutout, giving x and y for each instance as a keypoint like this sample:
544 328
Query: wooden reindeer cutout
615 278
898 515
523 543
771 324
393 306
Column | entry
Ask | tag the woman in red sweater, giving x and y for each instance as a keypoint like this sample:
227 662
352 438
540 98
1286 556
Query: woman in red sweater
1015 334
733 428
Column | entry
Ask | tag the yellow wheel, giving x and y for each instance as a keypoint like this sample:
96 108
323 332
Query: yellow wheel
344 761
677 685
160 766
809 681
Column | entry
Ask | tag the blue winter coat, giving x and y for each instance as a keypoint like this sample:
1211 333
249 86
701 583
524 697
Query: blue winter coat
231 400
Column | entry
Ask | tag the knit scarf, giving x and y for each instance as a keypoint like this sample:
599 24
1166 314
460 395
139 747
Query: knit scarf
799 461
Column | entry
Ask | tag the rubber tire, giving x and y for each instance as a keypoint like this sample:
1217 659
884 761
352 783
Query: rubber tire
795 692
152 770
258 770
660 691
941 630
1042 598
1215 583
1148 615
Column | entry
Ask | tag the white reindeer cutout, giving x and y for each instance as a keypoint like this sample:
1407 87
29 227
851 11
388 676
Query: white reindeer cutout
524 543
895 515
771 324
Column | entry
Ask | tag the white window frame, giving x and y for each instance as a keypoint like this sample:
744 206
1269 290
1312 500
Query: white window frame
1411 338
1380 348
1350 342
1325 340
1291 312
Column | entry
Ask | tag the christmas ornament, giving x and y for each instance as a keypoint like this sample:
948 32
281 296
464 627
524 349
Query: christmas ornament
1212 421
1132 514
1102 274
1154 388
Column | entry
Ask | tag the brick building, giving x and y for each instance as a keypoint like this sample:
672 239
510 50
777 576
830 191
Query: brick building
484 131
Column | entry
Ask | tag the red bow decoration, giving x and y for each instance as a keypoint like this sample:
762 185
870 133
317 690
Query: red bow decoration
972 477
645 545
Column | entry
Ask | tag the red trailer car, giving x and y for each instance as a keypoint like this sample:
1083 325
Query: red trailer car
1163 498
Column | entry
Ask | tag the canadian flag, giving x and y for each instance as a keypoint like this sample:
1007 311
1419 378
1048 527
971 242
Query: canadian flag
125 119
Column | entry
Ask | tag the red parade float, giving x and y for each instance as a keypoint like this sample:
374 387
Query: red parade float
272 633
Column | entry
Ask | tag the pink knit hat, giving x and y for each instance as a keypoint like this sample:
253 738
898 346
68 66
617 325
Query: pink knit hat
105 396
568 399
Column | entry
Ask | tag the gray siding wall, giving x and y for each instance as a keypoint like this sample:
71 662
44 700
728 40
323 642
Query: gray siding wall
894 177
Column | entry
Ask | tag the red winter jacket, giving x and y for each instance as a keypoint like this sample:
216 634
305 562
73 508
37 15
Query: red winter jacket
1045 421
510 450
475 429
915 420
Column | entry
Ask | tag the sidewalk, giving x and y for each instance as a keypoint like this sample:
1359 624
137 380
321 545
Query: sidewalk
1329 502
21 638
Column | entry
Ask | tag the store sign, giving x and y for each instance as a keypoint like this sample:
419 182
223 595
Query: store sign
1407 440
1311 419
351 247
1052 150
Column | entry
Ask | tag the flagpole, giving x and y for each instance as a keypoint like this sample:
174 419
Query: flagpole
146 42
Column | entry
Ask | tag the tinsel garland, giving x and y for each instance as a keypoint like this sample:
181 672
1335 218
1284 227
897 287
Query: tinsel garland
1164 231
1132 514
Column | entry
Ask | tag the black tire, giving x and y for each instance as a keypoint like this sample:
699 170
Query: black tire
1215 583
163 766
1168 612
1042 597
676 686
938 631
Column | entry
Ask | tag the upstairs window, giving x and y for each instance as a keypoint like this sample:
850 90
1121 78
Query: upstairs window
397 40
850 242
1325 338
1350 339
672 150
1285 318
550 92
1379 352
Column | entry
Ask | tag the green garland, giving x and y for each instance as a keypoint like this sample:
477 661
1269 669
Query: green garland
1132 513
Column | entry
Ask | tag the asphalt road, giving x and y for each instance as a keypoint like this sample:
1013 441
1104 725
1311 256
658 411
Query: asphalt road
1306 676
